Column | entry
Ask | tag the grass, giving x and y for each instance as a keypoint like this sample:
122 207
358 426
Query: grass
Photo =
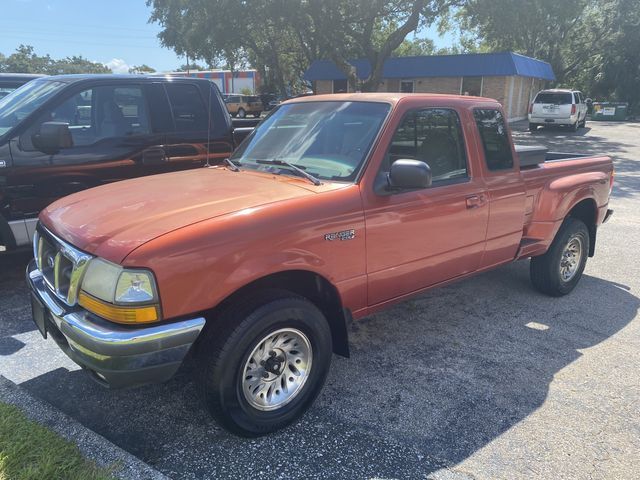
29 451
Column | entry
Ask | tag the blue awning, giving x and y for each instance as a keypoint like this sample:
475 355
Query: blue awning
465 65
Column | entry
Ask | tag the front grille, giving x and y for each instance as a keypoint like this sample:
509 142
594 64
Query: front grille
62 265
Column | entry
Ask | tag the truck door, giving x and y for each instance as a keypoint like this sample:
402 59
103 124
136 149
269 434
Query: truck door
422 237
110 128
505 187
186 145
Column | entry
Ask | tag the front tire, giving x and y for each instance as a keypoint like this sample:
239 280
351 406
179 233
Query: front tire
558 271
264 362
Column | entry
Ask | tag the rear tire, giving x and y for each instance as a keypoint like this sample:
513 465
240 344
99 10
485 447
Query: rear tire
241 113
264 361
533 127
558 271
575 126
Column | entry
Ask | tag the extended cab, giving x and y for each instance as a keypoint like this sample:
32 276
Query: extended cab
63 134
333 208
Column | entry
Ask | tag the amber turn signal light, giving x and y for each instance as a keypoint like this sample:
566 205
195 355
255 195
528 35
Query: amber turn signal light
118 314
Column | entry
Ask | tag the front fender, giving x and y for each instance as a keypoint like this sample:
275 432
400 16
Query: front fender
200 265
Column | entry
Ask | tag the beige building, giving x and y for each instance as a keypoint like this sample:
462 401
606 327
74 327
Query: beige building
511 79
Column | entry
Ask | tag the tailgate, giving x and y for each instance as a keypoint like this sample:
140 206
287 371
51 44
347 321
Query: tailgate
550 110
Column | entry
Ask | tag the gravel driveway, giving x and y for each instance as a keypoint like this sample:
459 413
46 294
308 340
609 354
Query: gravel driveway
483 379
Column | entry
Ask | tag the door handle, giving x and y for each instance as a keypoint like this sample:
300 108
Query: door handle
475 201
154 156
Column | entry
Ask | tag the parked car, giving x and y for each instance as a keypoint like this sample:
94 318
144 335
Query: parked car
335 207
563 108
269 101
243 105
11 81
62 134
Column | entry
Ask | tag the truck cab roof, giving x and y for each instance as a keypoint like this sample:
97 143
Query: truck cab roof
393 98
80 77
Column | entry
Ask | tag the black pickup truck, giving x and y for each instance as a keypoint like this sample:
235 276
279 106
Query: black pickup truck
12 81
62 134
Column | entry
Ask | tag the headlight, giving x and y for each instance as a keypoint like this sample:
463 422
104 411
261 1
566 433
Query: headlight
119 294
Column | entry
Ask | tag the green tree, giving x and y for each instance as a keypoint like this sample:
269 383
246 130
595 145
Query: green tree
562 33
282 37
414 48
613 69
77 64
593 46
142 69
191 67
375 27
25 60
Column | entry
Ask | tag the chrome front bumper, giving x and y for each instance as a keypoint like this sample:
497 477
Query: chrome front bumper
116 355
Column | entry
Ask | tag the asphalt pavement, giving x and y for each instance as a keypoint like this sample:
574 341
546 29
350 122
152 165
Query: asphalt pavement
484 379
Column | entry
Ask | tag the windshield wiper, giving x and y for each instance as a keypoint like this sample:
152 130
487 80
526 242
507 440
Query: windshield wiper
316 181
232 166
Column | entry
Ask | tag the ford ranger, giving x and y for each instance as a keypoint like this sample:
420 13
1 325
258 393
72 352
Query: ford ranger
333 208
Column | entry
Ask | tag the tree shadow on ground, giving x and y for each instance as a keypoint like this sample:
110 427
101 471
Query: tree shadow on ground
429 383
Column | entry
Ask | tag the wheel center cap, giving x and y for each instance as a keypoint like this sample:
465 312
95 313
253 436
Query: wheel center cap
274 364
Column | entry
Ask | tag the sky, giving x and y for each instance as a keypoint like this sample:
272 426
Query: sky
113 32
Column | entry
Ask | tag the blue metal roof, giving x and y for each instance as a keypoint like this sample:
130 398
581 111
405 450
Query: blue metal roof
465 65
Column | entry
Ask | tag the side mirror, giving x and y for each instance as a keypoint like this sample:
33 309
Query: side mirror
240 133
52 137
409 174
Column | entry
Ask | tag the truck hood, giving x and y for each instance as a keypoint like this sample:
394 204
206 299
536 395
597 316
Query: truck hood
112 220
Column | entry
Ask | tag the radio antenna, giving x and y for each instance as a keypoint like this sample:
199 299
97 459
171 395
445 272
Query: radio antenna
209 125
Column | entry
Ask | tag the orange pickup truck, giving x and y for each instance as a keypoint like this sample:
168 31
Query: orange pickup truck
333 208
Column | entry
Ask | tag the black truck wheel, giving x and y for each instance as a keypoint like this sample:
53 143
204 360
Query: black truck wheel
558 271
264 362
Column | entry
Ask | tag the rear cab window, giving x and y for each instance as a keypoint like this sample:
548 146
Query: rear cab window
187 107
495 138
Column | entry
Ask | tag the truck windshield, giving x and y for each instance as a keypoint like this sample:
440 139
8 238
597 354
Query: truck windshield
329 140
21 102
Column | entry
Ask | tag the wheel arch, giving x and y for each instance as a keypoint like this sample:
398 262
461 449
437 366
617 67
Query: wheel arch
586 210
310 285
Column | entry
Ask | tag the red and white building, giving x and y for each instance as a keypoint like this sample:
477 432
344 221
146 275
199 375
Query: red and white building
227 81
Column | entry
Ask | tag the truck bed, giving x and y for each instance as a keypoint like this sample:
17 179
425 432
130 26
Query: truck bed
532 156
552 186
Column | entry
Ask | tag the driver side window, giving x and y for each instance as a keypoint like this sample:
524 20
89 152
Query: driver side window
433 136
98 113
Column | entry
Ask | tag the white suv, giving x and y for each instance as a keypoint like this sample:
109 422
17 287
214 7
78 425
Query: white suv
558 107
